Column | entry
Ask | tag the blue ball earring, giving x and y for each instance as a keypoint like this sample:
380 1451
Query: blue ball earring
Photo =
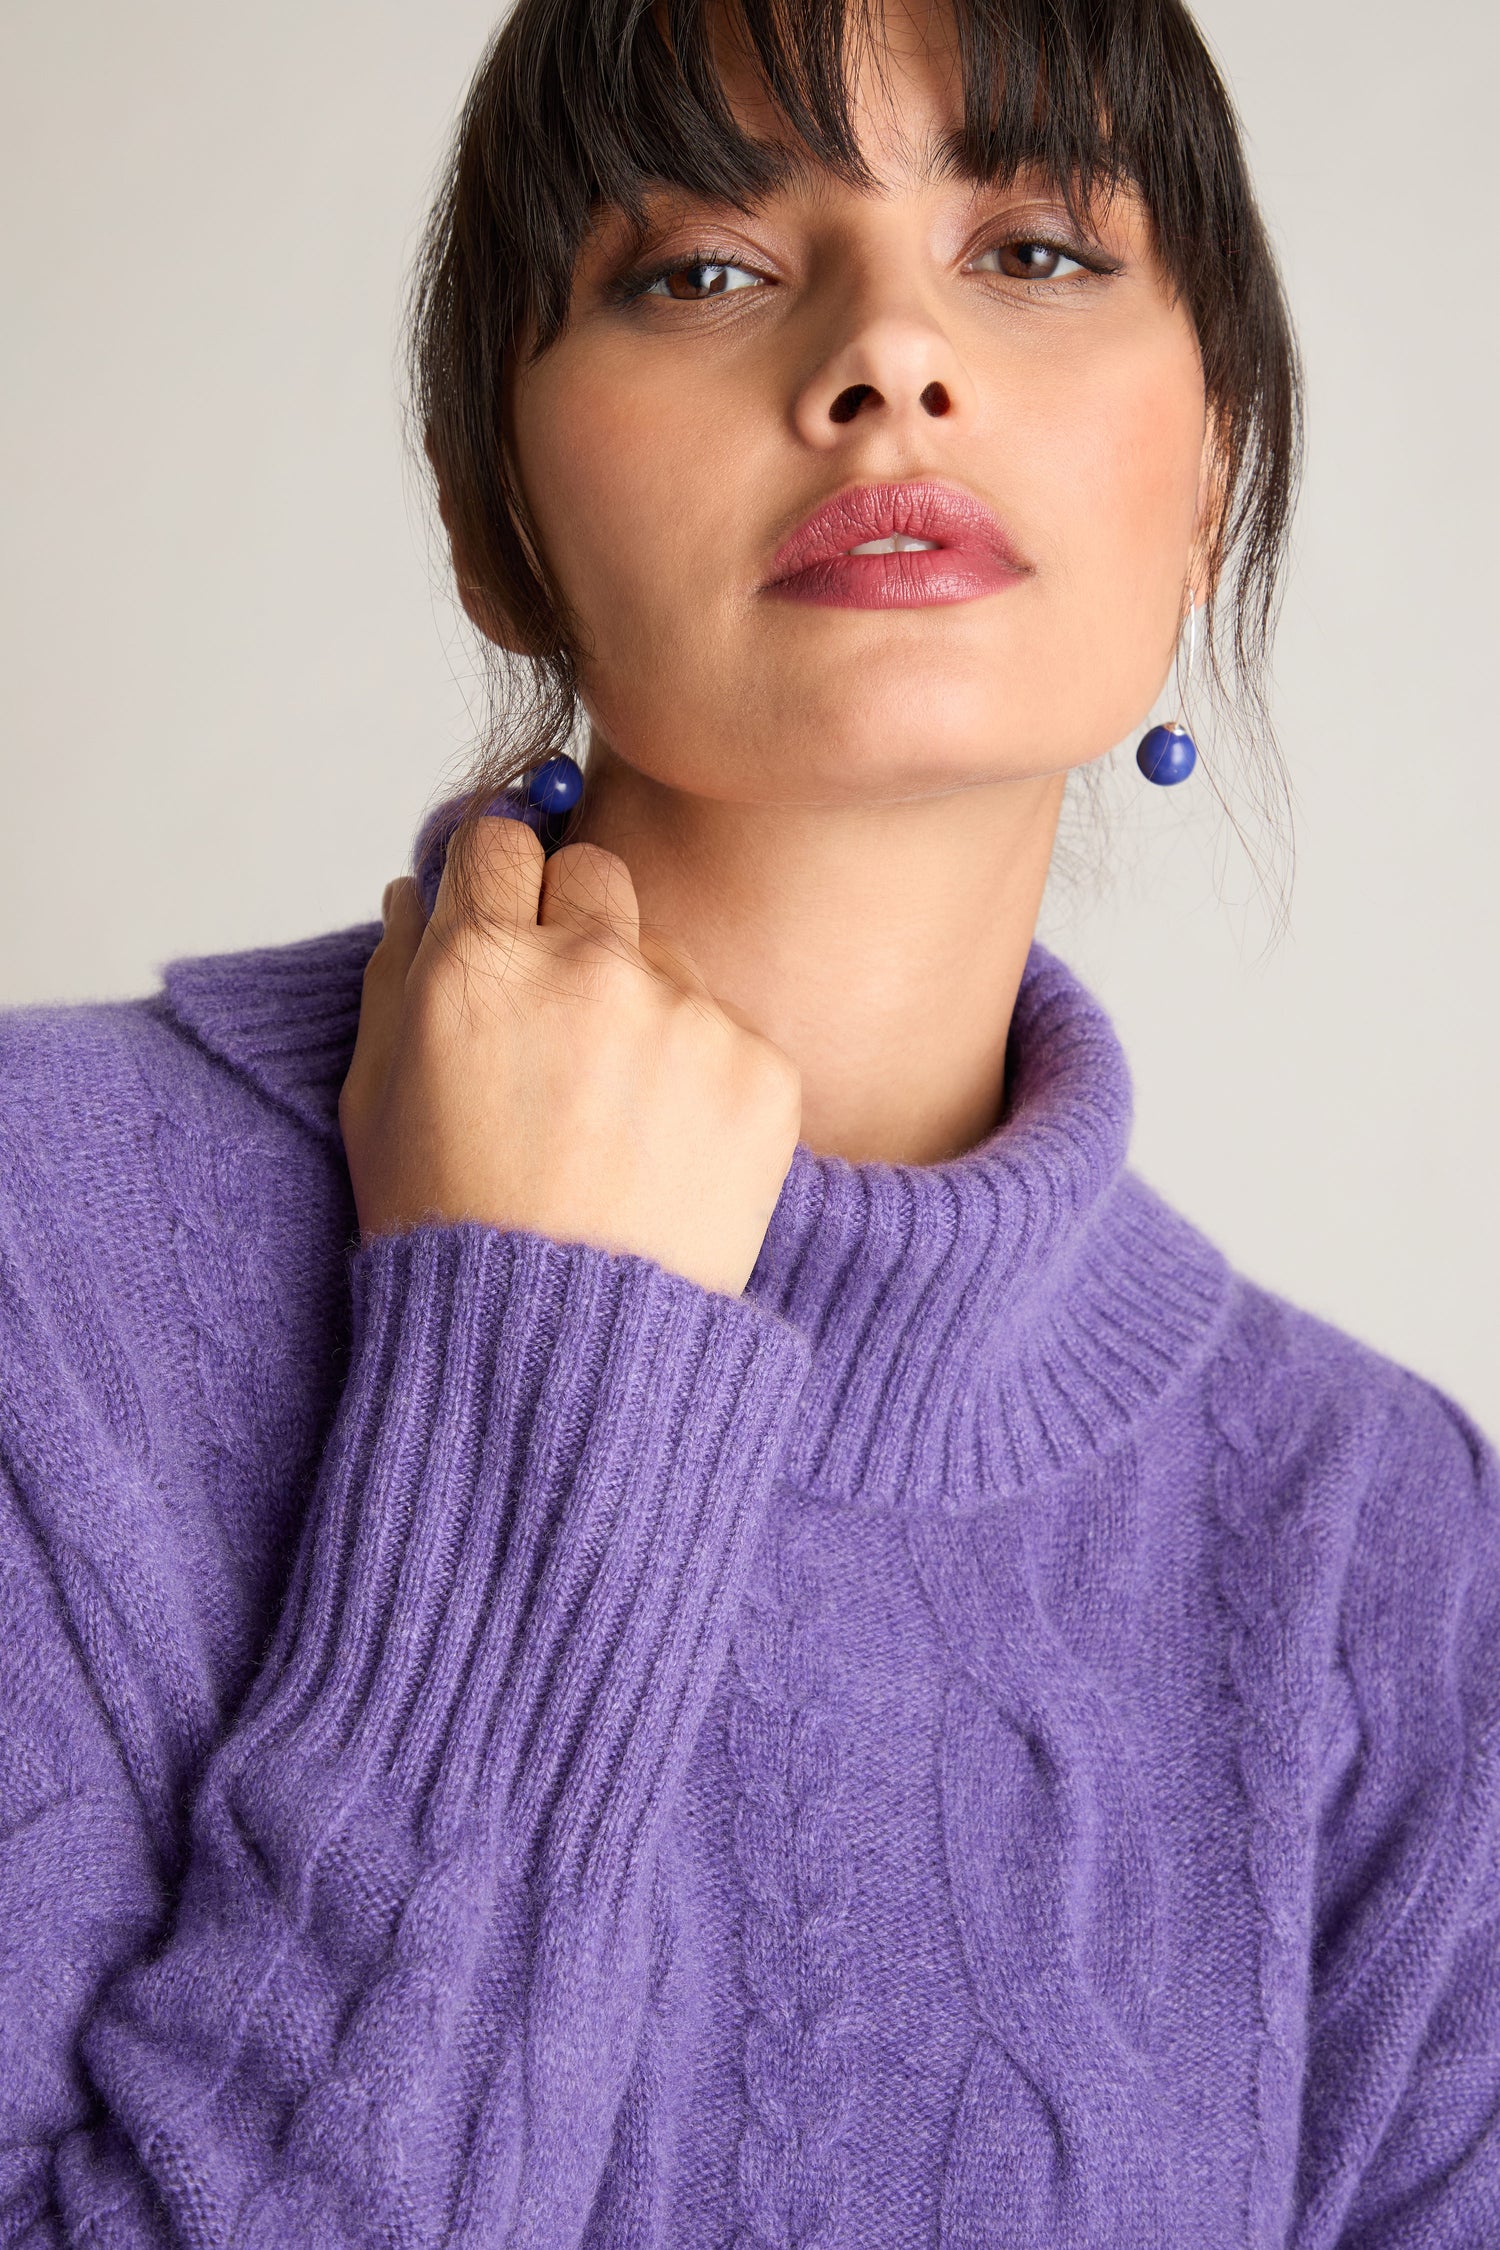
545 800
556 786
1168 755
552 792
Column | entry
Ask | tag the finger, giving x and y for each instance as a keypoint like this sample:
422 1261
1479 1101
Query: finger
588 889
401 912
491 877
384 987
386 970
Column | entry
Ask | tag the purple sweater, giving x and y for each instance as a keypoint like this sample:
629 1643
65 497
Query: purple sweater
990 1738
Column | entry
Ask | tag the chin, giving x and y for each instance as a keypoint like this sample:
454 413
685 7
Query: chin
894 724
907 730
876 762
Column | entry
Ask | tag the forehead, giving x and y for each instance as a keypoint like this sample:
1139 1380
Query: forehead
899 63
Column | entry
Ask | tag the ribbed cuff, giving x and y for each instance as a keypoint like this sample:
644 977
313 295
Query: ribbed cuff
525 1553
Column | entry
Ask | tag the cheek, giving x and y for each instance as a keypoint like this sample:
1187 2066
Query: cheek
1123 448
626 484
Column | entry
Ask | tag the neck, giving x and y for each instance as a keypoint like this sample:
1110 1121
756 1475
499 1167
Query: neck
879 945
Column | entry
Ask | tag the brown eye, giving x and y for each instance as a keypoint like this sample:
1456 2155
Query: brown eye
1029 261
697 278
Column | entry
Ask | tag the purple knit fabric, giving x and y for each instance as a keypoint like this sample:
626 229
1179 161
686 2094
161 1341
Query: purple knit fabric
990 1738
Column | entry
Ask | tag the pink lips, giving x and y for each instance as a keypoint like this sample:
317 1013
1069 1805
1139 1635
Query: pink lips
972 555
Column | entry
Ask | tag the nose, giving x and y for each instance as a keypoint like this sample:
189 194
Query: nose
897 370
859 398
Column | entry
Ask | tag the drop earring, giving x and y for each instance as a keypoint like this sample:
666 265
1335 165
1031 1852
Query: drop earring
545 800
1168 755
552 792
556 786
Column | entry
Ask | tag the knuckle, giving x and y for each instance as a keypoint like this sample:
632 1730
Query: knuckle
598 970
697 1022
777 1079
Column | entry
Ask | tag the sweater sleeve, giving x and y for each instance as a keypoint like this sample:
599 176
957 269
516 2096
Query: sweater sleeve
1401 2113
403 1979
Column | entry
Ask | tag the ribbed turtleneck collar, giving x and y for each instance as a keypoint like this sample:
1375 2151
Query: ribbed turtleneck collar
995 1317
975 1324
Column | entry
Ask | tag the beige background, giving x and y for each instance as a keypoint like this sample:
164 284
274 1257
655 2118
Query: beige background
232 679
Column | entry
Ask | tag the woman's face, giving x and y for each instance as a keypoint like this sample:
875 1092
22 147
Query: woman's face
711 391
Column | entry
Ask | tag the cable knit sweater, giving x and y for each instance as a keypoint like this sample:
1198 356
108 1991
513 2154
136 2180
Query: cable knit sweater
989 1738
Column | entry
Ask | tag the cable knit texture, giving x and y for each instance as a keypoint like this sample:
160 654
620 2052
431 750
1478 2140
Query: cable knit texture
990 1738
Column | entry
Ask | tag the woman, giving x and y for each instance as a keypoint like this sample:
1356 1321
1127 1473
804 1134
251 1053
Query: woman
647 1599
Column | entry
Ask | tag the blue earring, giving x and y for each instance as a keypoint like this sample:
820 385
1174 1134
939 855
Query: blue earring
545 800
552 792
1168 755
556 786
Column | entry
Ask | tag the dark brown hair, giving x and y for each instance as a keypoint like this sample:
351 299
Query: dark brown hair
579 104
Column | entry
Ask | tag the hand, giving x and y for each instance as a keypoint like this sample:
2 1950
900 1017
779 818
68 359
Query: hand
540 1064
